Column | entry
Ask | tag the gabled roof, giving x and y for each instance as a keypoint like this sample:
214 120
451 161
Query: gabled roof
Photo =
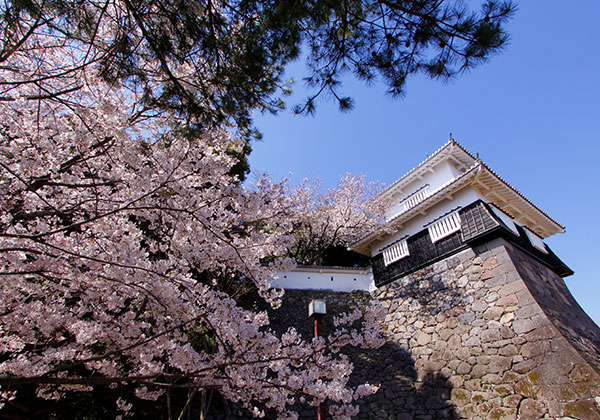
477 175
394 224
451 150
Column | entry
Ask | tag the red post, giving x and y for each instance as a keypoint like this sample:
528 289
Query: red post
322 410
318 328
317 308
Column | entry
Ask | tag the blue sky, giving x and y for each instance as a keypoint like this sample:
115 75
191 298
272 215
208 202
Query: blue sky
532 113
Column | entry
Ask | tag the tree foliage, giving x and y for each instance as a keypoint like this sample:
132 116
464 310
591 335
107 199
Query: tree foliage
124 226
326 222
214 62
115 229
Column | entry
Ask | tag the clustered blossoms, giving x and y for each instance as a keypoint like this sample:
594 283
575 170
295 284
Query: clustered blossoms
108 219
336 217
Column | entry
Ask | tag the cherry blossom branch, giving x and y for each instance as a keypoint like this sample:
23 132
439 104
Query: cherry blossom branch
119 350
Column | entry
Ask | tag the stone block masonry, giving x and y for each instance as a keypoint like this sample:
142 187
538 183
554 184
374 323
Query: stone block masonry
502 331
488 333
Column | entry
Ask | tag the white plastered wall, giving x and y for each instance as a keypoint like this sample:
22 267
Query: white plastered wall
461 199
326 278
443 172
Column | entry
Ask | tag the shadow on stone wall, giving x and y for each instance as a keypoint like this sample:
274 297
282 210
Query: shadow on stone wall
553 296
402 394
433 291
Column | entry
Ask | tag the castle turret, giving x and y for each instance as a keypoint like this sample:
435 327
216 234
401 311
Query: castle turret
476 302
450 202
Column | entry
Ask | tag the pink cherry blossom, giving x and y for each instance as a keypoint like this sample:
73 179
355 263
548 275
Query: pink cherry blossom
109 214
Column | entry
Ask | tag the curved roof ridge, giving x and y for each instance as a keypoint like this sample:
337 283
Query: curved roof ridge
520 194
407 175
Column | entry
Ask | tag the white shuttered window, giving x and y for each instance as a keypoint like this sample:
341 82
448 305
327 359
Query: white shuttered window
536 241
395 252
444 226
506 219
416 198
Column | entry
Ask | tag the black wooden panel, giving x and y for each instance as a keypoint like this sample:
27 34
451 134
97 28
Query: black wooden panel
480 212
422 252
550 259
476 220
478 225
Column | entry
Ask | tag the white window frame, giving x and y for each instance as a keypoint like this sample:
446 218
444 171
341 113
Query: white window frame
416 197
506 219
444 227
395 252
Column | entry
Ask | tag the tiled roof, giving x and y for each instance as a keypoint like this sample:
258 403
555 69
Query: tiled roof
502 180
437 195
449 147
331 268
484 179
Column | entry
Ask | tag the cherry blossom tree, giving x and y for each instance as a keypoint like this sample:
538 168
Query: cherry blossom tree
328 220
219 60
123 131
109 218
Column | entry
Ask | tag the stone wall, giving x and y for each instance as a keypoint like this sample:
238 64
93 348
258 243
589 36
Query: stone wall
503 330
402 394
488 333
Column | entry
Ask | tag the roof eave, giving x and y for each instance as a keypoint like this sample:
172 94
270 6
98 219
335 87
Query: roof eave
362 245
541 223
331 269
448 149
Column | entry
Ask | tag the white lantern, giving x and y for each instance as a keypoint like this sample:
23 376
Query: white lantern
317 307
